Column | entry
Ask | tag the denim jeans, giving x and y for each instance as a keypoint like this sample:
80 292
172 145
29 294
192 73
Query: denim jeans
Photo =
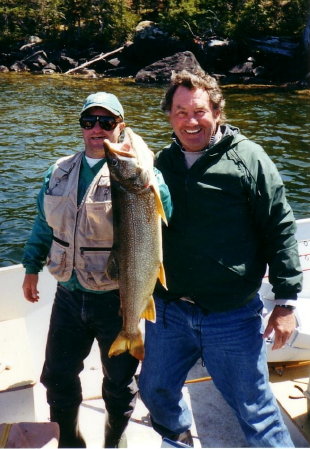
233 351
77 319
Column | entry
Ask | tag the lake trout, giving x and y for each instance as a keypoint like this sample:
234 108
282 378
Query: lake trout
136 257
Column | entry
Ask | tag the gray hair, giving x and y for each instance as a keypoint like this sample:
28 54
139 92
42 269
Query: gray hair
195 80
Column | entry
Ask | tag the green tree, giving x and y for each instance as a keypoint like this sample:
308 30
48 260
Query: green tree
273 17
19 19
116 21
192 18
108 22
234 18
111 22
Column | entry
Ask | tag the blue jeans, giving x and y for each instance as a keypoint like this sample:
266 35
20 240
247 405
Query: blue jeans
233 350
77 319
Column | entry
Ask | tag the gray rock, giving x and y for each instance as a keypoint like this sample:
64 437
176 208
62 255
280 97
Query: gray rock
19 66
245 68
160 71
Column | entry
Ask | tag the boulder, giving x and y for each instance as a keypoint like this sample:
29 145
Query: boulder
3 68
49 69
244 68
219 55
30 42
160 71
259 71
36 61
149 30
19 66
67 63
306 48
275 45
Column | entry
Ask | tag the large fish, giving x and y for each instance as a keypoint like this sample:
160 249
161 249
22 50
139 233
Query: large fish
136 256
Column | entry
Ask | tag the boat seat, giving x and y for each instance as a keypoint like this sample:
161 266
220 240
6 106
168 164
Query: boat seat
17 377
29 434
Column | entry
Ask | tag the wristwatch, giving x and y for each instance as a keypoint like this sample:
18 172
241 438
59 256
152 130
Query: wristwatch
286 306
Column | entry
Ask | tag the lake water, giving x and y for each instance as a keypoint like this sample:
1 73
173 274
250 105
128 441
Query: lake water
39 123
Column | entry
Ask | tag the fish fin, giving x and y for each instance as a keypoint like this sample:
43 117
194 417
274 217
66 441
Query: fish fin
134 344
162 276
149 312
159 204
112 270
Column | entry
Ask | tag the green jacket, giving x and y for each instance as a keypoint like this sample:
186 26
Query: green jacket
40 240
230 219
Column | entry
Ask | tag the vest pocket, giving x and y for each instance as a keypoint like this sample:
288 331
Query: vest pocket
99 220
93 273
56 261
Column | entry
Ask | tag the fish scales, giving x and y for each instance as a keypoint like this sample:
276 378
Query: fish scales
138 269
136 257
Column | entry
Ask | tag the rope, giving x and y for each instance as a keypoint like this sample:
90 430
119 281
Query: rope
200 379
5 434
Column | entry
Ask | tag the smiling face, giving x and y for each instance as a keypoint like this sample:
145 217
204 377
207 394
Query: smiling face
93 138
193 118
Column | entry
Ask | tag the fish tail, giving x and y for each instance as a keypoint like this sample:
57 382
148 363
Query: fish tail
133 343
149 312
136 348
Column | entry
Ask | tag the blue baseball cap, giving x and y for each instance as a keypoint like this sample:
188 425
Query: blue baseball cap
104 100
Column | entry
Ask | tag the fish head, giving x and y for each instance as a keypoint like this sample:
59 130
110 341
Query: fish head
127 164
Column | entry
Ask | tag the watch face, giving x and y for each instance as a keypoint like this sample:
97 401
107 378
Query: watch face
287 307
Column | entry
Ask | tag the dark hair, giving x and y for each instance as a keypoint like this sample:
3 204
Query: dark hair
195 80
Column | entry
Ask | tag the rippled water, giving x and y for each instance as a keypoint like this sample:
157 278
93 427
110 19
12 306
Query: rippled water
39 123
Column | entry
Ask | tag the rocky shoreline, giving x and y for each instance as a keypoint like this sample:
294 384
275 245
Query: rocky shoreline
153 54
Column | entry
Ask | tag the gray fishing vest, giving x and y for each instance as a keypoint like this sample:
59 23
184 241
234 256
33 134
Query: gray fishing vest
82 236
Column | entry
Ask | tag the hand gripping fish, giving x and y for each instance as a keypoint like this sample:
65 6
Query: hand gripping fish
136 257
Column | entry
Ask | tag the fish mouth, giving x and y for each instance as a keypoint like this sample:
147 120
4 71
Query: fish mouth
120 149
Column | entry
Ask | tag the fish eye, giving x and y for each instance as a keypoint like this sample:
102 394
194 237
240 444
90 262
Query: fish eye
114 162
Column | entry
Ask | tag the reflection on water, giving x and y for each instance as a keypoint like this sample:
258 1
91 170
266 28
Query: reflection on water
39 123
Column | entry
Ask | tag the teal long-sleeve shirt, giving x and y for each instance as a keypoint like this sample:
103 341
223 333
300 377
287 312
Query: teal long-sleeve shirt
40 240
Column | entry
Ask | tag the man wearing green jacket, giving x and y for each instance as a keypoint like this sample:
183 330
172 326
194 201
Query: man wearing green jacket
73 235
230 219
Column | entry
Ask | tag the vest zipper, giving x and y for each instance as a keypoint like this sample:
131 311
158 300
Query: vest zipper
91 248
76 222
79 206
61 242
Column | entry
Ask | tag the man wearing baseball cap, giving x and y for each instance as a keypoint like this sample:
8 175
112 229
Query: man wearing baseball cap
73 235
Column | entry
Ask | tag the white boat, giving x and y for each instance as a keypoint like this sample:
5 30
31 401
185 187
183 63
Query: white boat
298 348
23 331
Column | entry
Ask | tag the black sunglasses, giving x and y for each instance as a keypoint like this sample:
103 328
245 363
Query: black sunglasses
106 122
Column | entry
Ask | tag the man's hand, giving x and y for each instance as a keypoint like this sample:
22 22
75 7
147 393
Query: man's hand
283 322
30 287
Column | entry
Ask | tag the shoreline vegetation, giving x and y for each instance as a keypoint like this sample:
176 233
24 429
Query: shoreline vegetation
242 43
